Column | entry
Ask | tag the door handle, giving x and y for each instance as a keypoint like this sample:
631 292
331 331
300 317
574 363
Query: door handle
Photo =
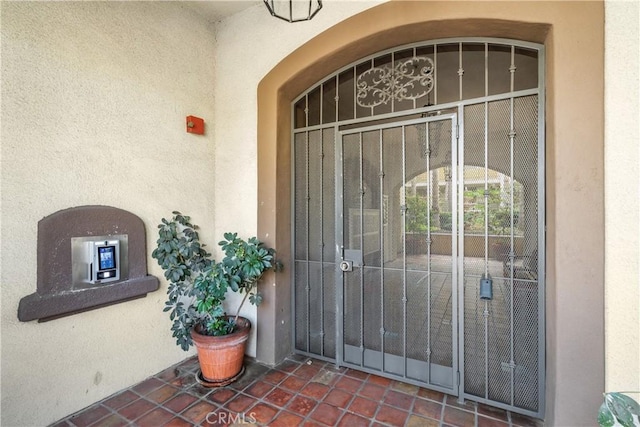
346 265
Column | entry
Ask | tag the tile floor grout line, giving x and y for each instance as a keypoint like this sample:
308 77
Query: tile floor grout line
198 399
101 403
175 414
69 417
139 415
444 405
307 417
345 410
262 398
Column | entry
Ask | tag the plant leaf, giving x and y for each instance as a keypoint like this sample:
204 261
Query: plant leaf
605 417
630 404
618 406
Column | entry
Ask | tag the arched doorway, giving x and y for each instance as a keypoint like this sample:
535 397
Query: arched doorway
574 265
378 284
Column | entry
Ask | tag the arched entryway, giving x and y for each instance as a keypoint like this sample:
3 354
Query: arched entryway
399 23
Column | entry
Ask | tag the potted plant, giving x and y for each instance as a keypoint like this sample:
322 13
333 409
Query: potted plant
197 289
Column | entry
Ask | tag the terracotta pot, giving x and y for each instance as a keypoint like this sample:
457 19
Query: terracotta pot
221 357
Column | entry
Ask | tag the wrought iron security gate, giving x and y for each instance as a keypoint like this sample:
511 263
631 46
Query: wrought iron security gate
398 311
419 231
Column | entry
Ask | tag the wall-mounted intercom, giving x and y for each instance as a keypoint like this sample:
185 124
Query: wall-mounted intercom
99 259
103 261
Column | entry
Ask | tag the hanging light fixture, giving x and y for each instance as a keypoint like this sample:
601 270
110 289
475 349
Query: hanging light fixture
293 10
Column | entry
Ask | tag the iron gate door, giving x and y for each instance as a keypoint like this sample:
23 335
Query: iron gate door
418 232
397 308
501 233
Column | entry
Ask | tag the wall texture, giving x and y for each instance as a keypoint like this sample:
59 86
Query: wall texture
94 96
94 100
622 196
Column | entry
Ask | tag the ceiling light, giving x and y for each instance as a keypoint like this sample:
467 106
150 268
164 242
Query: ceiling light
293 10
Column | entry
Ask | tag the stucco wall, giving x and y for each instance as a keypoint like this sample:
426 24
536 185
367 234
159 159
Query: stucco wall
79 77
622 196
94 99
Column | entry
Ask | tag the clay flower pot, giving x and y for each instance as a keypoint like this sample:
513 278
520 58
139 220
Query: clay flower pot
221 358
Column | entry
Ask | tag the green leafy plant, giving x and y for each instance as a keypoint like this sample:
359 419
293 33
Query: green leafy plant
619 409
198 284
499 217
417 215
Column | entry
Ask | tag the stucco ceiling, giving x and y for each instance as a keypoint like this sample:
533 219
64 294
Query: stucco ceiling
216 10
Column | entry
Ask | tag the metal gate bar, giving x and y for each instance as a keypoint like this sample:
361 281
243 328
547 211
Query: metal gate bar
382 248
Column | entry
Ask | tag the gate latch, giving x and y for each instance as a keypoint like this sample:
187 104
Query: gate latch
346 265
350 258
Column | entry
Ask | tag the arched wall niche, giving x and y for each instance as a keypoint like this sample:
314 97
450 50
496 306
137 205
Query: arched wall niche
558 25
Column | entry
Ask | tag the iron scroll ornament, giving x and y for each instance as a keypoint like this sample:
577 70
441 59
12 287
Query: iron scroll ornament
409 79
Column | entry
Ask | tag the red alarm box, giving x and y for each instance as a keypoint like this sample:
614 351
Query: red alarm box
195 125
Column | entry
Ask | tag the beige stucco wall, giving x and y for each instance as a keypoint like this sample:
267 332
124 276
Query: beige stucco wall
94 100
622 196
79 77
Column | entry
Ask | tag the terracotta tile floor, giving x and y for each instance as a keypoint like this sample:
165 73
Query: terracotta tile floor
298 392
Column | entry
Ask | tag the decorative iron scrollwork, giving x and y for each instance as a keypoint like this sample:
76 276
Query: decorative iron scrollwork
409 79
